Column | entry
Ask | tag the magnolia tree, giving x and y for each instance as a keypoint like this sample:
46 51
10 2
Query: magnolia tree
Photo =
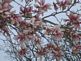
33 35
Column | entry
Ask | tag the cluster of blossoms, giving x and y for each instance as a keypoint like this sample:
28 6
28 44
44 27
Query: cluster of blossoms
42 6
62 4
76 49
5 14
30 29
74 20
55 31
50 49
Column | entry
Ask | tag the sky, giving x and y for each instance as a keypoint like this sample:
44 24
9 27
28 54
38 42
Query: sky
3 55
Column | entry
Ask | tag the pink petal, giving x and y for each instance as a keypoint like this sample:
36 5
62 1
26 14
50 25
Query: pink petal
8 1
0 6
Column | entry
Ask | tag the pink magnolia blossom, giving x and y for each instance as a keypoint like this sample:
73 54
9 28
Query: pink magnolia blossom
8 1
26 11
64 3
21 37
76 48
41 51
5 7
42 6
76 38
74 19
57 33
22 52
